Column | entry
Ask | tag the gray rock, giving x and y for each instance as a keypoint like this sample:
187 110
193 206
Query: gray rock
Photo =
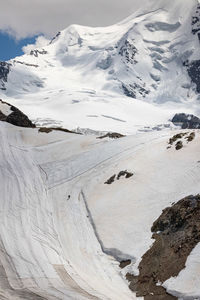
16 117
186 121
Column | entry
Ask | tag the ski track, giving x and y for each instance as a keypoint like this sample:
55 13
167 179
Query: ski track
37 237
53 246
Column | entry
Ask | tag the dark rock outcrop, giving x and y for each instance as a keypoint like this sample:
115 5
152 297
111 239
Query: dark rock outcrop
55 38
193 69
132 90
50 129
128 52
125 174
176 233
179 145
16 117
37 52
176 137
111 179
186 121
111 135
4 71
191 137
124 263
25 64
196 22
128 91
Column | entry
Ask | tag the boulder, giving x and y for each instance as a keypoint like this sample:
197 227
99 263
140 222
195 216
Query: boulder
15 116
186 121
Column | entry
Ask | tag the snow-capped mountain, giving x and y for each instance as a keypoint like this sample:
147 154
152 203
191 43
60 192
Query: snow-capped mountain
104 215
87 77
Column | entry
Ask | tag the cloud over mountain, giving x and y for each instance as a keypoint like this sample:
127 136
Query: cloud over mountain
27 18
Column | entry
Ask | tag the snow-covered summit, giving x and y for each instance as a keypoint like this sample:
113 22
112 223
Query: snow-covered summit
153 56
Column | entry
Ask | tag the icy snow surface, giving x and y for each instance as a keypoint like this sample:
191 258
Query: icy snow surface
62 247
85 73
62 229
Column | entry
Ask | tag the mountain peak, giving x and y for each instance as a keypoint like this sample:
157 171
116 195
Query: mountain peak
139 58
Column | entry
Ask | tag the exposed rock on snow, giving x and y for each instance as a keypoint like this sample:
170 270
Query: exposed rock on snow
12 115
4 71
55 37
125 174
186 121
111 135
180 140
26 64
37 52
111 179
179 145
124 263
193 69
196 22
50 129
176 233
176 137
190 137
128 52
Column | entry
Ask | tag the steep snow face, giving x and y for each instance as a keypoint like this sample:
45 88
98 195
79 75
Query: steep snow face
152 55
48 247
63 230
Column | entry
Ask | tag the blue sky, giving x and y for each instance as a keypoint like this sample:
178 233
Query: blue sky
47 17
10 48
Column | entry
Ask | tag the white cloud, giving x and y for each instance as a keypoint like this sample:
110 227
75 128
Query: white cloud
40 42
23 18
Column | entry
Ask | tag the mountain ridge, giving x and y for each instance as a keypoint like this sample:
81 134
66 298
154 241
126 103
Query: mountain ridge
141 57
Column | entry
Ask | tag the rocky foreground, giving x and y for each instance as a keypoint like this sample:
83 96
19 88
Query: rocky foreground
176 233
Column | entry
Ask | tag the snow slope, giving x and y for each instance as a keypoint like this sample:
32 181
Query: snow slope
63 230
83 77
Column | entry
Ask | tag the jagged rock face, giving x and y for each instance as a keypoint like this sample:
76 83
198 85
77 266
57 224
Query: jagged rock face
4 71
186 121
193 66
132 90
128 52
176 233
55 37
193 69
26 64
196 22
16 117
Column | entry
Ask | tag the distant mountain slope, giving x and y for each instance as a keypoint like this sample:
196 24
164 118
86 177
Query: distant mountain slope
153 56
